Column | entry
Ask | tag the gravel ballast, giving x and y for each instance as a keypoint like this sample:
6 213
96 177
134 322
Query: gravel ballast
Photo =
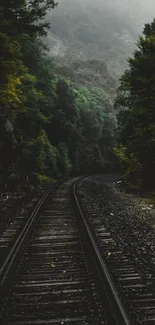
15 204
130 220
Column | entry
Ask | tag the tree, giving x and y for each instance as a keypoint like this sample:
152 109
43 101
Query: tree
63 122
20 21
49 127
24 17
136 118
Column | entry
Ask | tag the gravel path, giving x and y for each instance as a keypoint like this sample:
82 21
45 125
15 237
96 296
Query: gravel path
130 221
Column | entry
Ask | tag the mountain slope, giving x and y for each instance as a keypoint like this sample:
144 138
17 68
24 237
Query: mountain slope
101 30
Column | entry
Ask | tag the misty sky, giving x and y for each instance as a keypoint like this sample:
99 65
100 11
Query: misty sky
142 11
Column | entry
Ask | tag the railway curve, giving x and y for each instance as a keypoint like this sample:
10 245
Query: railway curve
54 273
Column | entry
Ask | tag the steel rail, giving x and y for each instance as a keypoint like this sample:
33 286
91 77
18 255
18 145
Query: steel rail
11 257
104 273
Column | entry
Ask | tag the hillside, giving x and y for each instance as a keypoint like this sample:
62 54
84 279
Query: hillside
94 39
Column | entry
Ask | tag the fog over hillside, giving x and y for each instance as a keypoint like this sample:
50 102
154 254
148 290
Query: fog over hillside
101 30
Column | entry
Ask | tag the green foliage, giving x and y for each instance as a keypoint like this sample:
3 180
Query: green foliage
64 163
18 17
39 157
136 98
92 145
62 124
12 71
50 125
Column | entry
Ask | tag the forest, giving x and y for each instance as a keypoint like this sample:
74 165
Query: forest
58 89
50 127
136 115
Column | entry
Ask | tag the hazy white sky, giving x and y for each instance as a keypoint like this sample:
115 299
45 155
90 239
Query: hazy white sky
142 10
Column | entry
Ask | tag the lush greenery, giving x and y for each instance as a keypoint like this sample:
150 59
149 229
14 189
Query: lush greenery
56 114
136 101
49 126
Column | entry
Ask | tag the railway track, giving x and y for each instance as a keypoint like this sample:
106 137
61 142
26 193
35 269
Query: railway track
138 296
54 273
10 228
